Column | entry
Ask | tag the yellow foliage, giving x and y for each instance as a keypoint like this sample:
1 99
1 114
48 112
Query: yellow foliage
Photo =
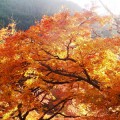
7 115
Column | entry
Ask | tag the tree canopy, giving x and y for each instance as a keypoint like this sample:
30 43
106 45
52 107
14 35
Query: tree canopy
55 70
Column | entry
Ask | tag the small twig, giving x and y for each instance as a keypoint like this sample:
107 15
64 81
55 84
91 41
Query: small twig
68 116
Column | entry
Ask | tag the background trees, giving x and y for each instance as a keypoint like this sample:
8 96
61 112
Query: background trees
25 12
55 69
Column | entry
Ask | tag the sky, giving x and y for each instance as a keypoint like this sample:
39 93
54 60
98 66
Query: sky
113 5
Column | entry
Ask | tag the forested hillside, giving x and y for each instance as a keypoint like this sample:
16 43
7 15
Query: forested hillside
25 12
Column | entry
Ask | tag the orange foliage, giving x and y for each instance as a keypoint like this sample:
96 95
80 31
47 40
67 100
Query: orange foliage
56 70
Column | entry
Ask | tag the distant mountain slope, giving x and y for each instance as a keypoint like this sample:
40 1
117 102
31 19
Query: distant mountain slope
25 12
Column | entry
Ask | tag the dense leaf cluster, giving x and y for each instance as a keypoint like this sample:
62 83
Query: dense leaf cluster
56 70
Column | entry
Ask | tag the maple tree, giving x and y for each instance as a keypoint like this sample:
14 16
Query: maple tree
56 69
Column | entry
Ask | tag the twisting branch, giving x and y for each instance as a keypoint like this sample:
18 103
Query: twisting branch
57 110
48 53
89 80
95 33
68 116
86 73
26 114
57 57
43 97
68 48
19 112
60 72
73 75
23 117
58 104
84 21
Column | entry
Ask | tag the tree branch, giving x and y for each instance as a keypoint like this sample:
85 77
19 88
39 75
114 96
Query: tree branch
62 101
79 78
19 112
57 57
26 114
68 116
57 111
60 72
92 82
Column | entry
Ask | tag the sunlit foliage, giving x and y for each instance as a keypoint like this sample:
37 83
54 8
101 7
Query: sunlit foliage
56 69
